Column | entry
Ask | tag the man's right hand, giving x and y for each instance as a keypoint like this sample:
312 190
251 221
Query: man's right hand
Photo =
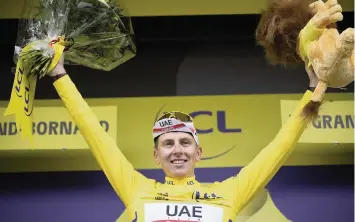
58 69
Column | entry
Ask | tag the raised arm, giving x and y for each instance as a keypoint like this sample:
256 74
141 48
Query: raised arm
117 169
257 174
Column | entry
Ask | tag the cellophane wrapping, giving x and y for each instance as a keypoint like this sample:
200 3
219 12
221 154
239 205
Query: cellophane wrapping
91 33
95 33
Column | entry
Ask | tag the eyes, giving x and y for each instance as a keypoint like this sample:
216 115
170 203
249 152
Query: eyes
182 142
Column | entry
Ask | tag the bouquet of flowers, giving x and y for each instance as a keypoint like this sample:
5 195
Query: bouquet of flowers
91 33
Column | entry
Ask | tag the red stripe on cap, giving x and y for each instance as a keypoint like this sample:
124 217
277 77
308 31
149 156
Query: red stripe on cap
169 128
191 128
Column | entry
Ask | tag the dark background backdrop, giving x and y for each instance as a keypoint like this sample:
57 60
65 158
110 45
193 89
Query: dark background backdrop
168 44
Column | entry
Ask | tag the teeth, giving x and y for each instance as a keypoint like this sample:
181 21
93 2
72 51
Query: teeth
178 161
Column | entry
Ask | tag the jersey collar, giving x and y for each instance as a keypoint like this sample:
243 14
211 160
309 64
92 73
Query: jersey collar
185 181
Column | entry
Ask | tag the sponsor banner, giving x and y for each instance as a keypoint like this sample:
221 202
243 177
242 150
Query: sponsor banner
232 129
53 128
334 124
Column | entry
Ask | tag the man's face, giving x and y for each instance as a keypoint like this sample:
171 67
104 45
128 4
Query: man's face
177 153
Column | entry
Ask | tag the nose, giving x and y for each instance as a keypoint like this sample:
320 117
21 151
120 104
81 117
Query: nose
177 149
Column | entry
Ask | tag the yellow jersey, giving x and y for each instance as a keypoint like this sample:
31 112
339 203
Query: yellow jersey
185 200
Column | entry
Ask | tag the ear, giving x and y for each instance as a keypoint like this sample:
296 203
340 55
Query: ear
199 154
156 155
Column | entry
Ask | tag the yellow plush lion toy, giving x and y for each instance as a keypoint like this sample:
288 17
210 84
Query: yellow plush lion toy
298 31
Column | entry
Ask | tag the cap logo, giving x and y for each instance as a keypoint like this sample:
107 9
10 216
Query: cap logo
165 123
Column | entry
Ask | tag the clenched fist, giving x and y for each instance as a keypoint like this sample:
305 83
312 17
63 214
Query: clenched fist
59 68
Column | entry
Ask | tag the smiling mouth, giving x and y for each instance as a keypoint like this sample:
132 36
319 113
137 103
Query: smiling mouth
178 161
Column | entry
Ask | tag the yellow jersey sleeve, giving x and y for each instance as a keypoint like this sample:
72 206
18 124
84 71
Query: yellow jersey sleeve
264 166
120 173
308 35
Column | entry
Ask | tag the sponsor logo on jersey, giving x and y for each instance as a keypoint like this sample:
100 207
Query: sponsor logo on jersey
197 195
162 196
176 212
171 182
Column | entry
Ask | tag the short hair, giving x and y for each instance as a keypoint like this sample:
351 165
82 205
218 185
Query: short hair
156 142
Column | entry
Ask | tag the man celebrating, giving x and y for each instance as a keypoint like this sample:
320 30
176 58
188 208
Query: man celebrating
181 198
